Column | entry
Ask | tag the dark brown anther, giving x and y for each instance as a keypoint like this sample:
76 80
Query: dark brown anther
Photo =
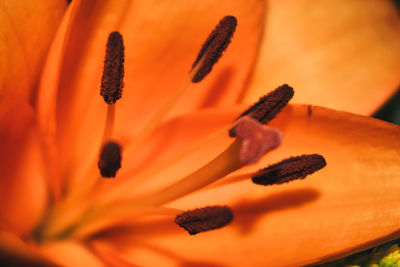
113 70
110 159
268 106
204 219
289 169
214 46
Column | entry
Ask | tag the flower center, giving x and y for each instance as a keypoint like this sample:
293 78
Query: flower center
89 208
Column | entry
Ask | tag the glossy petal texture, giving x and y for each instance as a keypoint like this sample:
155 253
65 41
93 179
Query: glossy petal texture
160 46
349 205
22 187
338 54
26 31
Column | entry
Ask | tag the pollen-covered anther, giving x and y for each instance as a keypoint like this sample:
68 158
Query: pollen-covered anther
204 219
113 70
214 46
268 106
289 169
257 139
110 159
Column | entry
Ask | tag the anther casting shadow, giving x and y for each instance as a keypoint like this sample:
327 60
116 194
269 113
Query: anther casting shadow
218 89
248 212
246 215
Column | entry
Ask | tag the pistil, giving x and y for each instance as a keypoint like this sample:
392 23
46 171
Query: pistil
254 140
129 185
252 135
268 106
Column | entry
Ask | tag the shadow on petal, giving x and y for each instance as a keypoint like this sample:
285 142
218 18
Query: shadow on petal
218 89
125 253
248 212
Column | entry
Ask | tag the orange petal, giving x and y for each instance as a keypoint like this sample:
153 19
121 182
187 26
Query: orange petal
26 32
341 54
160 46
14 252
170 144
70 253
108 256
343 208
22 187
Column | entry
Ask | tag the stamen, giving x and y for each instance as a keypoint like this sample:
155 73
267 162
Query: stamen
129 185
96 220
111 90
211 51
110 160
267 106
289 169
214 46
204 219
254 140
257 139
112 79
113 71
109 124
224 164
162 112
109 163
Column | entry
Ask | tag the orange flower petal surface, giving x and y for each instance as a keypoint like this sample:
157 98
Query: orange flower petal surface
345 207
161 41
70 253
341 54
27 28
22 186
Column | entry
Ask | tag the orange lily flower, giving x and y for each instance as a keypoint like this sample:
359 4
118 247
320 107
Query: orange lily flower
49 150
